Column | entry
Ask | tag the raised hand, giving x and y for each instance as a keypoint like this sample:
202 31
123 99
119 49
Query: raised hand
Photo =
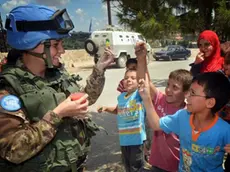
199 58
144 88
107 58
141 51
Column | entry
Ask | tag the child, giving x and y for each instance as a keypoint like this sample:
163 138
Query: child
203 135
225 112
130 120
165 147
130 64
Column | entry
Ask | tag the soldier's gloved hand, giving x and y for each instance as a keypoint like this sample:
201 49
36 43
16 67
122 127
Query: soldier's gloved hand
71 108
141 51
107 58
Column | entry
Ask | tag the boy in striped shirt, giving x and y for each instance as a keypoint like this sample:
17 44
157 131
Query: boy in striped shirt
130 121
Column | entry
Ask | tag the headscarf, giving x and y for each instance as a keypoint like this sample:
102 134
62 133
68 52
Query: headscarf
214 62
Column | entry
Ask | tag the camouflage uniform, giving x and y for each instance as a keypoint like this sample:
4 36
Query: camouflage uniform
29 143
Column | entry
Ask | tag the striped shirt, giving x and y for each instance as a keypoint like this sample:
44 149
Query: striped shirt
130 119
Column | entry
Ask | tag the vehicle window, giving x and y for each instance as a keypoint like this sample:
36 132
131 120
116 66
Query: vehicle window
171 49
182 48
104 35
127 36
120 36
96 36
141 37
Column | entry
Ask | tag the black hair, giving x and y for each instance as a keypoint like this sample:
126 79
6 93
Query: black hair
131 61
216 86
224 48
130 70
13 55
227 58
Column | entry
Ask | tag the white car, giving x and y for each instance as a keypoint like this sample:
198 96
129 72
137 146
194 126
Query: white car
121 42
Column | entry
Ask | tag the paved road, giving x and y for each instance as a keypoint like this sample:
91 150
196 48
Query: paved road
105 154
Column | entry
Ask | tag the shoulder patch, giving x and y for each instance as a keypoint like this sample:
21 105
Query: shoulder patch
10 103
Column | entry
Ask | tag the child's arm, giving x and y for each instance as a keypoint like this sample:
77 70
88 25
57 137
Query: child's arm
227 141
169 123
141 53
112 110
152 116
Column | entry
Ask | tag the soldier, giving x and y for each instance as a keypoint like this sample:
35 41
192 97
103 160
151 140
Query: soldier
41 128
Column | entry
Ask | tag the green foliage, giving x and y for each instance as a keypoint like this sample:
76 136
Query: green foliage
222 21
148 17
76 41
183 43
160 18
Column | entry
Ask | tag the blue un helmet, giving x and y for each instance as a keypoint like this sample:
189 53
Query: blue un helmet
28 26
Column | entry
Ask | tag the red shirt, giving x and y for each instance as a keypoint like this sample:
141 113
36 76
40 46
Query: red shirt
121 87
165 147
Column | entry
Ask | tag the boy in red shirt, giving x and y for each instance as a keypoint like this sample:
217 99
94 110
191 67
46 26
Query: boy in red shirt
164 155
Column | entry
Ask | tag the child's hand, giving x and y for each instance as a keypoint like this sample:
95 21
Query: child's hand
141 50
144 88
101 109
227 148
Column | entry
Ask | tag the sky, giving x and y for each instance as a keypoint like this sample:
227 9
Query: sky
81 11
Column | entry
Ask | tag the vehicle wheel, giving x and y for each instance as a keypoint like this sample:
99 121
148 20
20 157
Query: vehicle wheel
157 59
186 58
121 61
91 47
170 58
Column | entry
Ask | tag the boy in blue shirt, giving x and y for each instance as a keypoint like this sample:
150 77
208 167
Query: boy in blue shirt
203 135
130 121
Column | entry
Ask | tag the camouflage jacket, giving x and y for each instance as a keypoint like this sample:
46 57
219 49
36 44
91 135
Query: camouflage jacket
21 138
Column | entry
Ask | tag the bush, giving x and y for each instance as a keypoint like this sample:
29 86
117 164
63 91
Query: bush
76 41
183 43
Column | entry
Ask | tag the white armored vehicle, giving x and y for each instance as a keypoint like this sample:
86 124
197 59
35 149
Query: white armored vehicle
121 42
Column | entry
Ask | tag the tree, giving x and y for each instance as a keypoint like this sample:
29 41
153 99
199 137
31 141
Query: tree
161 18
222 20
148 17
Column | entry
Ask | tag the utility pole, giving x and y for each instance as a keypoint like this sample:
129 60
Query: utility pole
109 12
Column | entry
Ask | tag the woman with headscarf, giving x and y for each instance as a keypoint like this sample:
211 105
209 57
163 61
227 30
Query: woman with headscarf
209 58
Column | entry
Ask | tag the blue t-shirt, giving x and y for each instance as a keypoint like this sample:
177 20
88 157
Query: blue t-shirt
204 154
130 119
